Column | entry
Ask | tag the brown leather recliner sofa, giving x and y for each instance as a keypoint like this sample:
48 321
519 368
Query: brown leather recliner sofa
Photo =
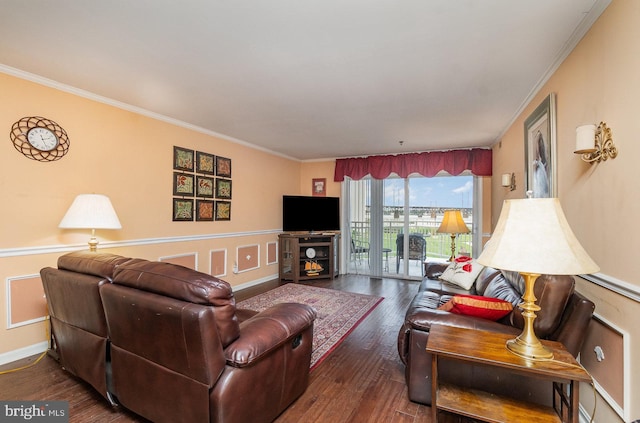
564 317
167 342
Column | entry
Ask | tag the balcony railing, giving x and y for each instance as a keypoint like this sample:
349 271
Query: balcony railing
438 244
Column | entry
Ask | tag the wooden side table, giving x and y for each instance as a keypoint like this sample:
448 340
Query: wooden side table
488 348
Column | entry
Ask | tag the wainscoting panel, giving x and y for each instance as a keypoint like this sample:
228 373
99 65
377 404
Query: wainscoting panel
189 260
218 262
26 302
272 252
248 257
604 354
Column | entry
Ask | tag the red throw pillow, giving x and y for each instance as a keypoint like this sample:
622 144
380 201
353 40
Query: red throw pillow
478 306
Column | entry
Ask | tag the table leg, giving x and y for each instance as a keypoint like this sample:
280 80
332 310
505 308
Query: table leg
385 262
434 388
574 400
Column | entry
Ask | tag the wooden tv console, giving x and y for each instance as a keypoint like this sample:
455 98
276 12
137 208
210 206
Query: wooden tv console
306 256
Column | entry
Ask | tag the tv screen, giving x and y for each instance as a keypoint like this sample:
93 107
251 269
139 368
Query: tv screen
310 214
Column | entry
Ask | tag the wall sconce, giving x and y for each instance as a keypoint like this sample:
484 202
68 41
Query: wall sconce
595 144
509 180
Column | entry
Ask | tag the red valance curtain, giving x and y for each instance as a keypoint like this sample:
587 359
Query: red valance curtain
428 164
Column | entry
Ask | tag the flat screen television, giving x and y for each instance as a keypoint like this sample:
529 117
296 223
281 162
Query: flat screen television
310 214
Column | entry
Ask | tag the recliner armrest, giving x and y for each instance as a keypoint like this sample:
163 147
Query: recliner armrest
575 323
433 270
423 320
419 320
267 331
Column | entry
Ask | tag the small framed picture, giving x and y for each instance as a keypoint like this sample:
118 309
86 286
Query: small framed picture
319 187
204 186
182 184
182 159
205 163
223 188
223 167
223 210
204 210
182 209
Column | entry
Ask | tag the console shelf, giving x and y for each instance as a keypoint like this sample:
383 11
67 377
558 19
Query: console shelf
305 256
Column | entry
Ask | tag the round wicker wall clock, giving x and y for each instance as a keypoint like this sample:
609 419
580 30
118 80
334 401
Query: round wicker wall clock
39 139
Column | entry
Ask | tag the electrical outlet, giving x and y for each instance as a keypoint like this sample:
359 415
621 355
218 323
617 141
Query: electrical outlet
599 353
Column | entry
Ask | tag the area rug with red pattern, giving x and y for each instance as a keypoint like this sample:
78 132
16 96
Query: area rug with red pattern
339 312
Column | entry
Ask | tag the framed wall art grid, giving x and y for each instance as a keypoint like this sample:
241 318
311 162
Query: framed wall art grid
202 186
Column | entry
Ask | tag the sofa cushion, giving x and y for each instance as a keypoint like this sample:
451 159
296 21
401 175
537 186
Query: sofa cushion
498 287
423 312
487 274
463 272
434 269
515 279
184 284
427 300
443 287
91 263
478 306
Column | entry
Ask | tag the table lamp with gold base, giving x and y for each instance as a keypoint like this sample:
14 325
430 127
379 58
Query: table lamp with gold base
453 224
91 211
533 237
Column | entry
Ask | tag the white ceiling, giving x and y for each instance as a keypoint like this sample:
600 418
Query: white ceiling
306 79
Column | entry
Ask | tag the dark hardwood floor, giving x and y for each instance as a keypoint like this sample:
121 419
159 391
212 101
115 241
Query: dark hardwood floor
361 381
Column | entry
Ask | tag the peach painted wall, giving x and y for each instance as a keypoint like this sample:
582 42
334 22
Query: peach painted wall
321 169
127 156
186 260
597 82
486 209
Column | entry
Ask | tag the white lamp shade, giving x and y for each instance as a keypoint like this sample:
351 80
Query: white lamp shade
533 236
585 139
506 179
90 211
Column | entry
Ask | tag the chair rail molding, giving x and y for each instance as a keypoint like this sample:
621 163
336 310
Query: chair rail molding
65 248
613 284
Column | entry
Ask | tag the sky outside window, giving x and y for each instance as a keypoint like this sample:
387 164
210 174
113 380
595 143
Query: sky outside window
446 191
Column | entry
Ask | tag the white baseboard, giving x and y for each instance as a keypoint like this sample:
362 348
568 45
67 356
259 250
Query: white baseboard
24 352
254 283
584 416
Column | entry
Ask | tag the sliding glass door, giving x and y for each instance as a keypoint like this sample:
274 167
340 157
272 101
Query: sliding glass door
379 213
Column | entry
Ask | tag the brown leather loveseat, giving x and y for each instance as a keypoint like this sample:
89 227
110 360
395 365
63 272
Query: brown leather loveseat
564 317
166 342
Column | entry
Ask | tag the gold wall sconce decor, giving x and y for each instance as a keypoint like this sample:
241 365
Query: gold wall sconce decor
509 180
595 144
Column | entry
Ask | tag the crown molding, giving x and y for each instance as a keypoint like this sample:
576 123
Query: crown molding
130 108
587 21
